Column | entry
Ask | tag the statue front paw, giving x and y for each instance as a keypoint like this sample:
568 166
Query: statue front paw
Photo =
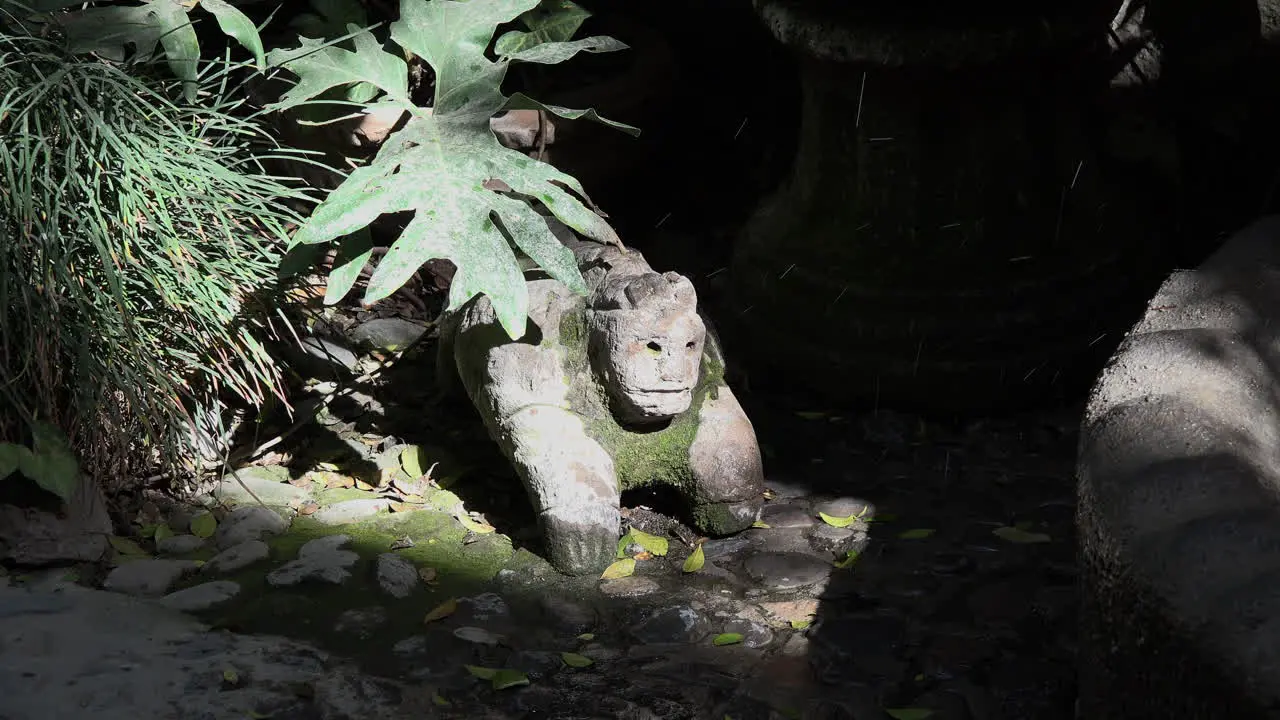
584 542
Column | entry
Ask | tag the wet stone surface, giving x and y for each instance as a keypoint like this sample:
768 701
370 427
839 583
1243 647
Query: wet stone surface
941 579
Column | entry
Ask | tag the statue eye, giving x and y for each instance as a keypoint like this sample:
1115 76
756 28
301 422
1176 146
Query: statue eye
689 345
654 347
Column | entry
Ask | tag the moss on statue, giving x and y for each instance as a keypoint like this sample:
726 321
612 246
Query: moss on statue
641 458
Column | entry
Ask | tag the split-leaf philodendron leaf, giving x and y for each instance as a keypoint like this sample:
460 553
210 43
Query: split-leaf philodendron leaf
436 166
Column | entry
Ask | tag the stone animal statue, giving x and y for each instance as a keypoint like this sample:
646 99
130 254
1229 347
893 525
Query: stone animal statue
619 389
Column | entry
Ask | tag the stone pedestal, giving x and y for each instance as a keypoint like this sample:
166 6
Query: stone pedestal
944 239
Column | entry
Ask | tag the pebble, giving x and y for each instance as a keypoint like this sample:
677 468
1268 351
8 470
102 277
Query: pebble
248 523
672 625
269 484
787 570
148 577
350 511
786 516
201 597
834 540
319 560
844 507
629 587
238 557
330 352
361 622
396 576
387 333
179 544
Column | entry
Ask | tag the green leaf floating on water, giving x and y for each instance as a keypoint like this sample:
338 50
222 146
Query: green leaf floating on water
908 713
506 678
917 534
204 525
1020 536
727 639
652 543
575 660
695 561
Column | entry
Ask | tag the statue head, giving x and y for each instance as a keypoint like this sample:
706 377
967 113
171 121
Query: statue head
645 342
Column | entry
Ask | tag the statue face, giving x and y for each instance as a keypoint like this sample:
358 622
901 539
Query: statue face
648 355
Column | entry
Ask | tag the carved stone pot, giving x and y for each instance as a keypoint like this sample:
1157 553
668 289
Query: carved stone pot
944 239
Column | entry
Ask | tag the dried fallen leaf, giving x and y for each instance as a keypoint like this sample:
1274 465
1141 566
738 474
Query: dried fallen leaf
474 525
575 660
644 555
695 560
399 507
620 569
302 481
334 481
441 611
428 574
308 508
362 485
1020 536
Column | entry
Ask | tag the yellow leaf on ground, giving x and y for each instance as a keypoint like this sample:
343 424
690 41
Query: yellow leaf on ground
695 561
619 569
441 611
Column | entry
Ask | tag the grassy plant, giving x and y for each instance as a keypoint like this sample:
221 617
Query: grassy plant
138 236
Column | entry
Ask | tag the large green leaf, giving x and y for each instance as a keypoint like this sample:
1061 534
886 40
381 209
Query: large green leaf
550 21
320 67
452 37
520 101
51 464
437 169
440 164
107 30
551 53
237 26
353 255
